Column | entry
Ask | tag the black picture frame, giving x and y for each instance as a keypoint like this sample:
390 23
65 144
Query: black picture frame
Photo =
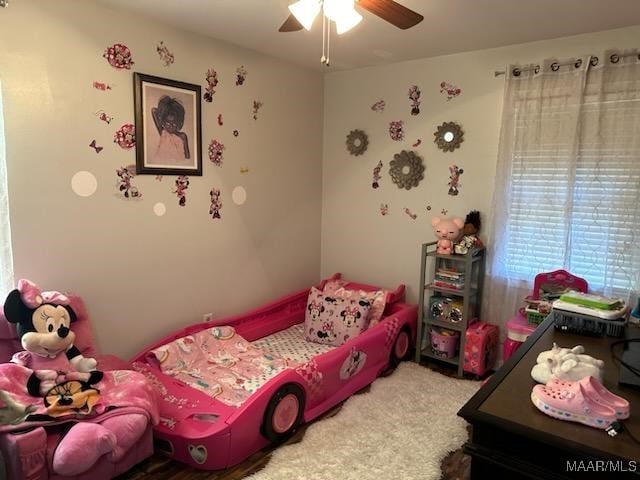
168 126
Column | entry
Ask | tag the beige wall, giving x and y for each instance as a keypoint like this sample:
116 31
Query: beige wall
144 275
356 238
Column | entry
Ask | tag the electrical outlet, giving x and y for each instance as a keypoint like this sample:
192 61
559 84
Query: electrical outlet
207 317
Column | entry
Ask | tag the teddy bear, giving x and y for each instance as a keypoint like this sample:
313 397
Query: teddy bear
566 364
448 231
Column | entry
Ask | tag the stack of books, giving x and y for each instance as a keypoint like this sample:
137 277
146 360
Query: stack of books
448 278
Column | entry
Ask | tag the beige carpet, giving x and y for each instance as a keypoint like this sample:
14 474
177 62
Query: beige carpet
401 429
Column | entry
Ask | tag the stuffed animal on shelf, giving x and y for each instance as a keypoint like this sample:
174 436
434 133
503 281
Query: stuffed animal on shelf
448 231
43 321
566 364
470 231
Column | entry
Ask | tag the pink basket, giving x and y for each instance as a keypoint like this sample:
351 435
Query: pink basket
444 345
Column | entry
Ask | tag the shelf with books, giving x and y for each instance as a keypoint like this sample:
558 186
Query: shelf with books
449 300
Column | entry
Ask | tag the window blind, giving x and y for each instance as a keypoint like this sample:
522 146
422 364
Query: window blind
582 217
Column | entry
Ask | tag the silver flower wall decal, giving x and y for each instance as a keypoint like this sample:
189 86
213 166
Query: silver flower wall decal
448 136
406 169
357 142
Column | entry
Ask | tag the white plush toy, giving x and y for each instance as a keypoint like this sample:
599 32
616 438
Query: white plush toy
566 364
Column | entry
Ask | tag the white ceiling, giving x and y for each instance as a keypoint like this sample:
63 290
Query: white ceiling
449 26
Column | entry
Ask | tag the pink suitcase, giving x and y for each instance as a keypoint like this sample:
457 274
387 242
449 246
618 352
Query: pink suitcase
481 347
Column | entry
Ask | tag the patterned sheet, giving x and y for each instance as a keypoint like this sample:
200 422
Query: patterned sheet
291 345
220 363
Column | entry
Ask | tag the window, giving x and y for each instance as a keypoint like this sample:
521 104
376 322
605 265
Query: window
574 191
6 258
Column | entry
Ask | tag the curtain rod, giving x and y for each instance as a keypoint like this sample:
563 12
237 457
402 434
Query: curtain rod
497 73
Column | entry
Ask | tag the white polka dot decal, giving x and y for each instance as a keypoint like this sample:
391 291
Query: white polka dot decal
159 209
239 195
84 183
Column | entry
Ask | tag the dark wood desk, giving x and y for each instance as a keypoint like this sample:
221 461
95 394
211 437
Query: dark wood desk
512 439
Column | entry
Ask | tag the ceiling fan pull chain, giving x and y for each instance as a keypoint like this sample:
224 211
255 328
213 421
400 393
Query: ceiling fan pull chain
328 42
323 59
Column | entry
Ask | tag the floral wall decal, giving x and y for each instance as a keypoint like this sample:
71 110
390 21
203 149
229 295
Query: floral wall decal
406 169
396 130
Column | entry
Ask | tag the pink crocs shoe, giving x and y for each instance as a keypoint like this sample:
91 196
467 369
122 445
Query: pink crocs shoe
573 405
593 389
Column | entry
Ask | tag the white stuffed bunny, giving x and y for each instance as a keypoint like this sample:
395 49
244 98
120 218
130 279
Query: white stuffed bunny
566 364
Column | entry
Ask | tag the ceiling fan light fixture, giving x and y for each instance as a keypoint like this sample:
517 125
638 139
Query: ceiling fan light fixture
348 21
305 11
337 9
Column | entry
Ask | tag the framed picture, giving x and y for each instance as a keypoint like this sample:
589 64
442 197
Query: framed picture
168 126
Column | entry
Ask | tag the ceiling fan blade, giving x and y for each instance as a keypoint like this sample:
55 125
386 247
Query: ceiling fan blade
291 24
392 12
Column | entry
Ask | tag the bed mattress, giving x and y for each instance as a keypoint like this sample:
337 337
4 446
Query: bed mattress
291 345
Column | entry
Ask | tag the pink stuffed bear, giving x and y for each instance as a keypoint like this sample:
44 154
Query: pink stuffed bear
448 231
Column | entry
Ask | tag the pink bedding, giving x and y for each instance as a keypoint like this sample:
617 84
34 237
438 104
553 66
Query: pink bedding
220 363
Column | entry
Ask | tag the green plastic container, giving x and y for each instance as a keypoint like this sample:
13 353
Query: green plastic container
592 301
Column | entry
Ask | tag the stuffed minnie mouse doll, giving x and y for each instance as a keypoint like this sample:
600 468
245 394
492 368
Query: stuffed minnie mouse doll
43 321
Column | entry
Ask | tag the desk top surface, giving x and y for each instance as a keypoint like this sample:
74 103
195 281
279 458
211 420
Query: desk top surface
504 401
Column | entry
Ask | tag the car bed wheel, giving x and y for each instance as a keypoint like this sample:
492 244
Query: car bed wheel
284 413
401 347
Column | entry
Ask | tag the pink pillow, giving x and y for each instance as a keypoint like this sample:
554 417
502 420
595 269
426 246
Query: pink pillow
331 320
336 281
331 286
377 298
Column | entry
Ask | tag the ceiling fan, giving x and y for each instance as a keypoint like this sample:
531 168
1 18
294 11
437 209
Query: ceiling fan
305 11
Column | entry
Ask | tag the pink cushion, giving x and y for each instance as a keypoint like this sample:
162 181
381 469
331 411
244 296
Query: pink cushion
332 320
376 299
82 447
393 296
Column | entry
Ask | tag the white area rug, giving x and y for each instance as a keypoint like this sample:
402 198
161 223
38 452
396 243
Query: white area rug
401 429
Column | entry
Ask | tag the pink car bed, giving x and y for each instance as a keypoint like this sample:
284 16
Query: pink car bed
231 386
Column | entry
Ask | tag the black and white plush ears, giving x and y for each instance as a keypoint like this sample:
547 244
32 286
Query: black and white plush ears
15 311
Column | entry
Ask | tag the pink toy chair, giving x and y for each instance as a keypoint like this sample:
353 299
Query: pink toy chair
558 280
28 454
518 329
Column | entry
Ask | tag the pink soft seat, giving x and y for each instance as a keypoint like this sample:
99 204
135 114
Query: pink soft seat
29 454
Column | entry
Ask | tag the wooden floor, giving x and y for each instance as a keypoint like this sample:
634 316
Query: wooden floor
456 466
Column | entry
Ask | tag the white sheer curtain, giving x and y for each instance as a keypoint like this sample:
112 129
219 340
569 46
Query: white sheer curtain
567 191
6 256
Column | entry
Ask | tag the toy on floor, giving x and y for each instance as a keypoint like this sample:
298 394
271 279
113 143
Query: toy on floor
566 364
585 401
52 383
480 347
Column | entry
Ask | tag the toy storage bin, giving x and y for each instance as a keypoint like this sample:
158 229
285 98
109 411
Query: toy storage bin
534 317
444 342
